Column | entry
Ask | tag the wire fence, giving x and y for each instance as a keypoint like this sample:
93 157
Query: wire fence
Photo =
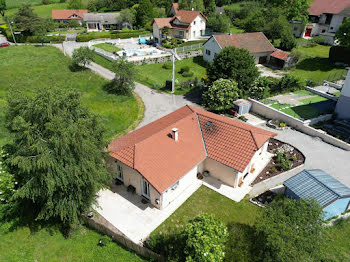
188 48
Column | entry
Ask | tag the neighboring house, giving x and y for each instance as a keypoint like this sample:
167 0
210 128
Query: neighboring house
174 9
66 15
162 159
343 105
100 21
280 59
332 195
325 18
256 43
185 24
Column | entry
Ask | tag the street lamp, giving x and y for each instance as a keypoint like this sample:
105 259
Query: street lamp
13 35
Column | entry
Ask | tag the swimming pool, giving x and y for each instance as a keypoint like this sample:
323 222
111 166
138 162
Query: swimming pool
138 52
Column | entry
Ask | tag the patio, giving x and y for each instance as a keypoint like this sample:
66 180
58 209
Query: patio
128 214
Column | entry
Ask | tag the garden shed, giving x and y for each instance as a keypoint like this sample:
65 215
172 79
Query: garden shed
242 106
332 195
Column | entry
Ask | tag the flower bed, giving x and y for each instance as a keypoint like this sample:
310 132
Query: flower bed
286 157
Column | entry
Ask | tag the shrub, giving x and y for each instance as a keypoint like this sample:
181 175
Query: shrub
286 164
283 124
288 41
294 158
289 83
83 55
157 86
243 118
167 66
184 69
104 241
273 170
187 74
192 83
279 157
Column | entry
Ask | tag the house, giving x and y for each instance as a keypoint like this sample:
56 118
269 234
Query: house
185 24
325 18
174 9
279 58
331 194
256 43
342 108
101 21
162 159
66 15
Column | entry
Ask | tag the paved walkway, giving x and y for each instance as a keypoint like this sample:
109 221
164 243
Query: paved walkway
156 104
319 155
2 39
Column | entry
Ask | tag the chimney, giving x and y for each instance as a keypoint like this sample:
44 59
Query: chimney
192 9
175 134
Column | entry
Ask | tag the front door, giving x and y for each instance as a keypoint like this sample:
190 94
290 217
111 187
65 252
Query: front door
308 32
119 173
145 189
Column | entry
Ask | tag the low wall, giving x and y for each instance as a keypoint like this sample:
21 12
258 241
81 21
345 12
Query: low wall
318 119
101 225
331 84
265 185
271 113
320 93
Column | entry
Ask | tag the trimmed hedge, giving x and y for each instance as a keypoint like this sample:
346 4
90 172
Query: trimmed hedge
113 35
339 54
31 39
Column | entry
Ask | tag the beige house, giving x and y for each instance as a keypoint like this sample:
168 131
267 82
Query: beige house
162 159
256 43
189 25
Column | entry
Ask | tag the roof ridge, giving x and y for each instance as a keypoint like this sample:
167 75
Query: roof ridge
319 182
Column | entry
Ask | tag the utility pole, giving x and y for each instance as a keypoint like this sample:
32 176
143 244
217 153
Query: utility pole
173 82
13 35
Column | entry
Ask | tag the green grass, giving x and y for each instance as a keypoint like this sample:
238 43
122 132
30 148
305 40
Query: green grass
103 61
312 100
339 241
43 11
236 30
314 65
29 67
156 74
205 200
108 47
64 32
302 112
17 3
48 244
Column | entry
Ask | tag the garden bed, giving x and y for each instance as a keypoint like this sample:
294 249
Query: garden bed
273 168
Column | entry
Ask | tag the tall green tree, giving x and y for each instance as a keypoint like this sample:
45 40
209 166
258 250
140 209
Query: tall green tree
75 4
27 21
144 13
124 80
196 5
219 23
288 41
276 24
291 230
343 33
221 95
294 9
210 6
56 154
2 7
126 16
83 55
236 64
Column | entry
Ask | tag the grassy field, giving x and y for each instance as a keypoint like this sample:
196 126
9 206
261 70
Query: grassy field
48 244
29 67
150 75
108 47
314 65
205 200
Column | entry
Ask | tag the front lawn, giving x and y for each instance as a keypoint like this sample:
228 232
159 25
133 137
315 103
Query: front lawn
314 65
48 244
29 67
155 75
205 200
108 47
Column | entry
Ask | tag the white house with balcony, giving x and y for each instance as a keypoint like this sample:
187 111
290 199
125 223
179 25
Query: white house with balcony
325 18
188 25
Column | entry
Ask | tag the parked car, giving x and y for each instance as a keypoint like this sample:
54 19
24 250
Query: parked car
4 44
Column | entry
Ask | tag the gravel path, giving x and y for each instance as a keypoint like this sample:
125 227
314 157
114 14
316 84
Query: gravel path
156 104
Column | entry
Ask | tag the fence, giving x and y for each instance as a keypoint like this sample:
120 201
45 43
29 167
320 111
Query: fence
188 48
271 113
100 224
145 35
109 56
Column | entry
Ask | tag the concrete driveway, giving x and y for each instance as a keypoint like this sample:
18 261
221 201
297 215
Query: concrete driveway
3 39
319 155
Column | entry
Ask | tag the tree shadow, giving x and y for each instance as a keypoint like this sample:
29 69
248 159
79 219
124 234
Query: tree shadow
199 61
195 95
73 67
315 64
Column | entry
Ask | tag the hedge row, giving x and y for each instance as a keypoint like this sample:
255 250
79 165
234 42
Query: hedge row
32 39
114 35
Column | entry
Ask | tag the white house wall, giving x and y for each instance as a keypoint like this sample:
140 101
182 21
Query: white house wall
336 22
221 172
213 47
198 25
156 32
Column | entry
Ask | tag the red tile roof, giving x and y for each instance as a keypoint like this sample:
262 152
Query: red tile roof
279 54
254 42
162 22
67 13
186 16
162 161
319 7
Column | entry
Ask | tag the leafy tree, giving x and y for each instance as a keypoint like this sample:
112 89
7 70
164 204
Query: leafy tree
236 64
166 31
46 2
73 24
144 13
220 95
2 7
27 21
41 34
56 154
75 4
7 182
255 22
288 41
83 55
260 89
343 34
210 6
294 9
275 25
124 80
126 16
219 23
291 230
205 238
197 5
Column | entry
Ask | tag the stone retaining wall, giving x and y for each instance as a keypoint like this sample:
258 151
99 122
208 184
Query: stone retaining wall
320 93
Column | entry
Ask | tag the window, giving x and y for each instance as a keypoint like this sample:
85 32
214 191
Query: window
324 30
207 51
145 189
174 186
119 172
245 176
194 22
